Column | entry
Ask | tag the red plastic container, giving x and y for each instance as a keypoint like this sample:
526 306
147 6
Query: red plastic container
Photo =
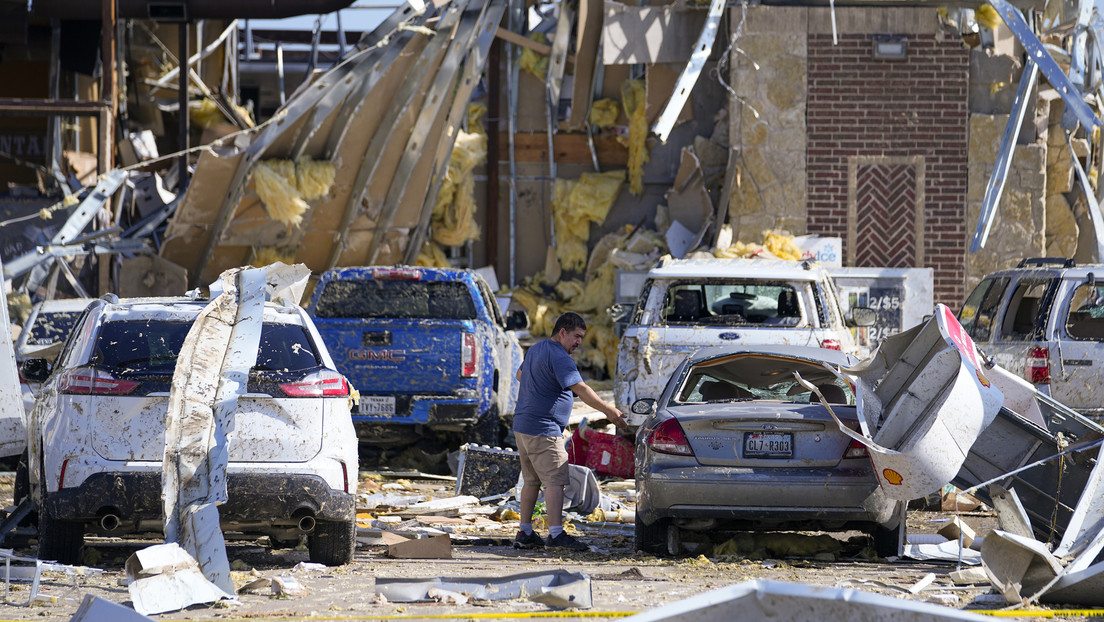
606 454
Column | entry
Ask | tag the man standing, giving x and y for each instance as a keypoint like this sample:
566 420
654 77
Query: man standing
549 380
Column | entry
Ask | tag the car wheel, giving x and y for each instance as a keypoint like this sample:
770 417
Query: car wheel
59 540
485 431
651 538
886 540
332 544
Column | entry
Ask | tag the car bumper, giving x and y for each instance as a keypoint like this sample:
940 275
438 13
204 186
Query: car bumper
764 496
136 496
438 413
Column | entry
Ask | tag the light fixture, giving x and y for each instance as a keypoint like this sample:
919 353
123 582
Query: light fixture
890 47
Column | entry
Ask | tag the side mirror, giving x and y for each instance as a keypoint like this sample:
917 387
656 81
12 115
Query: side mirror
35 370
644 406
620 312
861 316
517 320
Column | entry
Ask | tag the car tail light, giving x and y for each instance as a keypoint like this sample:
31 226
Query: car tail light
856 450
668 438
322 384
61 478
831 344
1037 367
397 274
345 475
92 381
469 355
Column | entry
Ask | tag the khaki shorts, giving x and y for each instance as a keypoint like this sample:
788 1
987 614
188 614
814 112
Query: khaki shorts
543 459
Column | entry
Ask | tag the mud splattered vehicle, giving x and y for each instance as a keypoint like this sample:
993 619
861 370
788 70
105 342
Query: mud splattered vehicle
688 304
97 432
427 348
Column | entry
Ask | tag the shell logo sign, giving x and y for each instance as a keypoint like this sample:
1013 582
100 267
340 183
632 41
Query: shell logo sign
984 381
893 477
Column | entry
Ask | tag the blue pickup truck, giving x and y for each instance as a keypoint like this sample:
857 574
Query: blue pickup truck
427 348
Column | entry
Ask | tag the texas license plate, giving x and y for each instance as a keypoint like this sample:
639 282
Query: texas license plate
768 445
377 405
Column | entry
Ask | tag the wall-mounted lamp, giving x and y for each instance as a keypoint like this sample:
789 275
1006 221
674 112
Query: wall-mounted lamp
890 47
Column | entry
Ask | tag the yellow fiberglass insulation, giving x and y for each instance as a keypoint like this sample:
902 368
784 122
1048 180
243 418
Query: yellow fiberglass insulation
576 204
432 256
987 16
633 96
313 178
453 222
206 114
604 112
268 255
775 243
278 192
542 312
532 62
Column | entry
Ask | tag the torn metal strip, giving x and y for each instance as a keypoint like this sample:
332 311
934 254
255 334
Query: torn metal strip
473 67
1095 216
557 60
995 186
690 74
406 12
1038 53
508 587
211 372
1077 58
444 89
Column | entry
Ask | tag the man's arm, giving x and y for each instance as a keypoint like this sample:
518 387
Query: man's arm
590 398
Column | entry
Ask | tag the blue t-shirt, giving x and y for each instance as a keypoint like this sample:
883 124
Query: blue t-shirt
544 399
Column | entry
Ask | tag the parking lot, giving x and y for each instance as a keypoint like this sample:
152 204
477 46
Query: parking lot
623 581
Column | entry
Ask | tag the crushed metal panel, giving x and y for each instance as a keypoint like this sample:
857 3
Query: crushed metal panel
653 34
96 609
1011 515
1017 566
757 600
164 577
922 402
509 587
1012 441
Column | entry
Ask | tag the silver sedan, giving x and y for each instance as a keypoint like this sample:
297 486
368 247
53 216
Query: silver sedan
736 442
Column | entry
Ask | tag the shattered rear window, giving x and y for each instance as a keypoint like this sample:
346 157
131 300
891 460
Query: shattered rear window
52 327
142 346
425 300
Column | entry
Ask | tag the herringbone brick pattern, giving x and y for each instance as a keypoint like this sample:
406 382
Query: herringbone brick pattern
885 211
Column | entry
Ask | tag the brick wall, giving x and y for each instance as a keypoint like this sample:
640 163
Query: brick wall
864 113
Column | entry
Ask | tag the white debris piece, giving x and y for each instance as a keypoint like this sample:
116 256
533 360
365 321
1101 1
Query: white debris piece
164 577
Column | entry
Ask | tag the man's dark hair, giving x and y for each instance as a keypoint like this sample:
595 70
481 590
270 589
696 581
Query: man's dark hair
569 321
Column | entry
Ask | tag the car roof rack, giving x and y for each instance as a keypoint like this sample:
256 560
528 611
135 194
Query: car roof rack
1061 262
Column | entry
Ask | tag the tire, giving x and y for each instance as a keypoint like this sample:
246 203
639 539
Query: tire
651 538
59 540
885 539
22 486
332 544
485 431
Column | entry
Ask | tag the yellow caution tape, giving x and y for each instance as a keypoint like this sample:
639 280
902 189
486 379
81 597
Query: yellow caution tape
1050 613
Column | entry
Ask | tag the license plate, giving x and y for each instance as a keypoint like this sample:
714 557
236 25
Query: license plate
768 445
377 405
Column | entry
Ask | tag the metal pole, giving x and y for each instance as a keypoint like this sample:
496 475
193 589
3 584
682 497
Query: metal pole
182 102
108 94
515 20
494 110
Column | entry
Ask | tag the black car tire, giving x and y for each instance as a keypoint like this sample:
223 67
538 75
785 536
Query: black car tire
22 486
651 538
885 539
332 544
59 540
486 430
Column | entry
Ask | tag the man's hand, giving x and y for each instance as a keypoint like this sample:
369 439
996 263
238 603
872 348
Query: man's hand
618 419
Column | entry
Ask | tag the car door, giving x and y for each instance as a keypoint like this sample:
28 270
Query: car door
1078 364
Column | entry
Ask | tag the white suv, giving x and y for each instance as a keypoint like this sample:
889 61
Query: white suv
97 432
1044 320
687 304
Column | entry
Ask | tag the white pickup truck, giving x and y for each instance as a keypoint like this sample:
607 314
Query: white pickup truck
687 304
